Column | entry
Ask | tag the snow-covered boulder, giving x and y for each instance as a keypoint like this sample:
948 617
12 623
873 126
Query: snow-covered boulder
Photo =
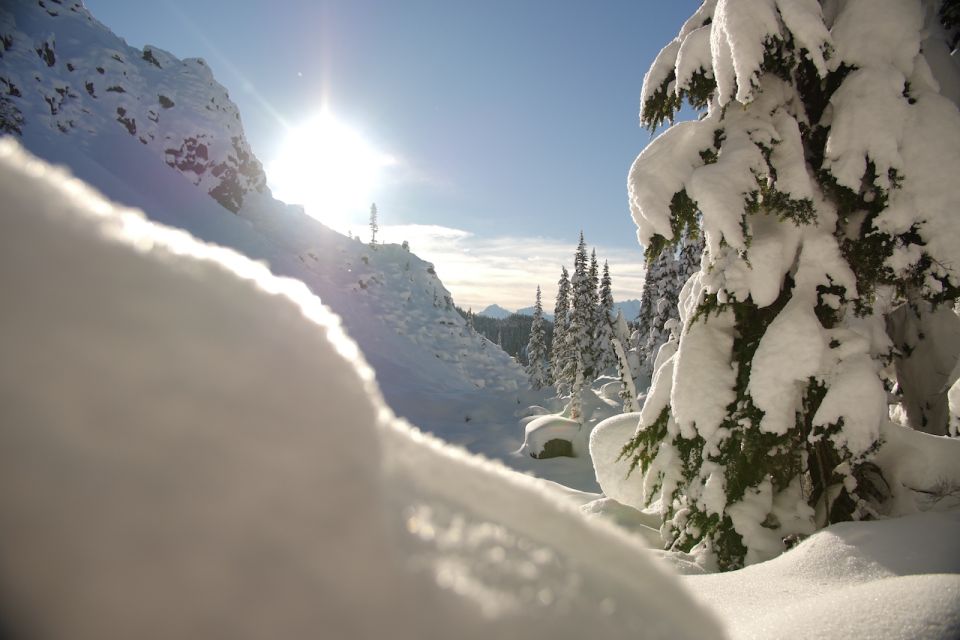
192 447
552 436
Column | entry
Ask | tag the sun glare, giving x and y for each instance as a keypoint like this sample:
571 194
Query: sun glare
329 168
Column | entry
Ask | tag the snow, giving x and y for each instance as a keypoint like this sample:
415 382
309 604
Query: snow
659 172
393 302
93 81
606 443
931 158
748 514
855 394
693 56
660 70
786 158
944 68
739 30
175 411
703 379
869 100
804 20
658 396
888 579
185 432
720 189
788 355
928 343
872 33
921 469
953 397
894 579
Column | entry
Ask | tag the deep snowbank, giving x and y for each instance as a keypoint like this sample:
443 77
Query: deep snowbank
192 447
896 579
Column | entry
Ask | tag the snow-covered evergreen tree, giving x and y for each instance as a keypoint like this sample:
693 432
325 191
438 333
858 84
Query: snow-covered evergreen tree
822 175
560 354
594 276
664 279
579 333
688 260
619 342
576 392
537 364
604 329
653 279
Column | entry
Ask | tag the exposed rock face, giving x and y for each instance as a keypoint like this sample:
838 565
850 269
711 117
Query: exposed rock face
64 71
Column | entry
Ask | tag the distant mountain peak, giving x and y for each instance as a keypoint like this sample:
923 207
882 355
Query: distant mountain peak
629 308
495 311
528 311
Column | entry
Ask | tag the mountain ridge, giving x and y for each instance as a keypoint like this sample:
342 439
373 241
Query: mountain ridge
65 70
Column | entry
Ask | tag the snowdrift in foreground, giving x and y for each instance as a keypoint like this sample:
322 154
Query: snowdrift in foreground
884 580
192 447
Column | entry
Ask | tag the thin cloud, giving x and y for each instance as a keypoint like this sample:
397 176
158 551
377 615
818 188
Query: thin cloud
506 270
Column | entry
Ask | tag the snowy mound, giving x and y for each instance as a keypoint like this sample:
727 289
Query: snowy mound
890 580
613 472
192 447
543 430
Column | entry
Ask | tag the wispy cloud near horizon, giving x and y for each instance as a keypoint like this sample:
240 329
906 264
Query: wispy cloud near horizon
506 270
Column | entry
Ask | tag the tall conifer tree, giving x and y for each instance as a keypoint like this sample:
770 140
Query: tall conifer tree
560 354
579 335
537 364
603 338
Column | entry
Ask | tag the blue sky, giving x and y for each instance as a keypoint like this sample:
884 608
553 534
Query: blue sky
513 120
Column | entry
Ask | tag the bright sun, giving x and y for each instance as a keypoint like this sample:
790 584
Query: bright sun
329 168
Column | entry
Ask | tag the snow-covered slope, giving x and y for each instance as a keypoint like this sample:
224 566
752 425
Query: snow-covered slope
160 134
65 71
192 447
